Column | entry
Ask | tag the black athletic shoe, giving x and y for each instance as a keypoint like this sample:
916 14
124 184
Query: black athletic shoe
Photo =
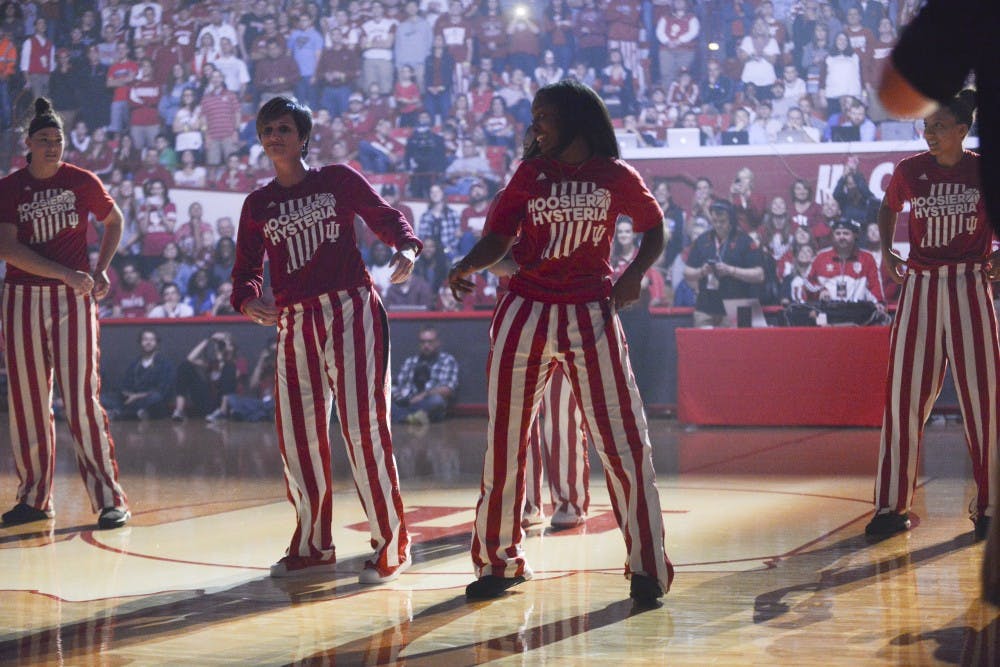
113 517
982 529
25 513
490 586
644 590
889 523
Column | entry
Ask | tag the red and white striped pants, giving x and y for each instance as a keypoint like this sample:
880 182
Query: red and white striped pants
528 339
945 316
334 350
50 331
558 447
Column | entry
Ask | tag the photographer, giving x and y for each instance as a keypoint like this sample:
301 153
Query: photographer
259 405
207 375
726 263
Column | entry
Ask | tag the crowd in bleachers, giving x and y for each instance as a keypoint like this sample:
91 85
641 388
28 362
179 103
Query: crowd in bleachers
428 98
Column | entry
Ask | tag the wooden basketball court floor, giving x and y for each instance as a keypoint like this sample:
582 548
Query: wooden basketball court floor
765 527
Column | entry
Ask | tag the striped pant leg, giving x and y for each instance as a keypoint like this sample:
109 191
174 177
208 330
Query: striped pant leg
914 379
76 361
594 356
534 466
517 370
974 353
27 351
565 447
357 360
303 399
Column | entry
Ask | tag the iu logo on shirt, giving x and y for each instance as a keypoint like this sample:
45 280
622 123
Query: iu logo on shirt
575 212
49 212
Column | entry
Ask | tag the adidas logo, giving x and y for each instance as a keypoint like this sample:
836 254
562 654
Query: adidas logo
922 177
541 176
271 204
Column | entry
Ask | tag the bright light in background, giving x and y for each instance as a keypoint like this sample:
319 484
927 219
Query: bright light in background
713 46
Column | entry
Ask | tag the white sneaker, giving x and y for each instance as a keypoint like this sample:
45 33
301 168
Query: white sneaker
563 519
371 575
534 517
215 415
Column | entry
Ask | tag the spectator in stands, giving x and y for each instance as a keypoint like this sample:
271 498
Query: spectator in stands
234 70
632 136
12 21
223 295
144 102
339 68
683 94
63 89
199 294
438 71
843 73
306 45
885 39
803 17
203 61
794 85
813 58
38 59
378 36
359 120
617 85
157 218
457 32
810 118
489 32
440 222
99 156
121 73
844 272
758 52
380 153
150 168
135 296
170 305
426 383
549 71
591 30
219 28
254 28
862 40
805 212
763 129
414 34
379 256
431 264
623 252
415 293
171 269
795 285
92 84
857 116
673 217
524 38
853 195
188 122
558 31
677 33
191 174
776 229
717 89
406 97
470 169
174 83
258 404
725 263
795 131
223 259
276 74
234 177
701 202
221 112
740 121
745 198
147 385
424 156
208 374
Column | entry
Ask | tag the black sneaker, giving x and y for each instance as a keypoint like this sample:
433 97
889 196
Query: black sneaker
113 517
982 529
644 589
25 513
889 523
490 586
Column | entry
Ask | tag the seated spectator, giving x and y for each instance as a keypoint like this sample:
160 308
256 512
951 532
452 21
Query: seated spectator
811 117
258 404
855 199
469 168
623 253
200 295
150 169
683 94
726 264
795 131
222 305
794 86
805 211
208 374
147 386
426 383
171 269
716 89
168 156
763 129
630 132
431 264
549 71
380 153
99 156
157 218
481 95
655 112
440 222
415 292
191 174
498 125
857 116
127 157
795 285
135 297
233 177
746 199
617 86
845 272
223 259
170 305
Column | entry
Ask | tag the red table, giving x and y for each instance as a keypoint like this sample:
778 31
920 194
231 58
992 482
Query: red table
819 376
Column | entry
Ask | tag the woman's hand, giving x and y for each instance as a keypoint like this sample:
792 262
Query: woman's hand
458 280
403 261
261 312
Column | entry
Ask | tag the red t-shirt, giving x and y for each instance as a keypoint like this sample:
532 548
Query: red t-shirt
307 232
947 221
52 216
566 217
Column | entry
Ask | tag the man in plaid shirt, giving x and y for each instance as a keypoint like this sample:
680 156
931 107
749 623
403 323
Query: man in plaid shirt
426 383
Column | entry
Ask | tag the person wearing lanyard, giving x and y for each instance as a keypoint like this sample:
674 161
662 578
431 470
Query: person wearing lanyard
726 263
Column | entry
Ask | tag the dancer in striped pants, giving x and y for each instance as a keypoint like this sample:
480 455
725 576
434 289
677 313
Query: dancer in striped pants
557 451
50 324
561 311
333 339
945 315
